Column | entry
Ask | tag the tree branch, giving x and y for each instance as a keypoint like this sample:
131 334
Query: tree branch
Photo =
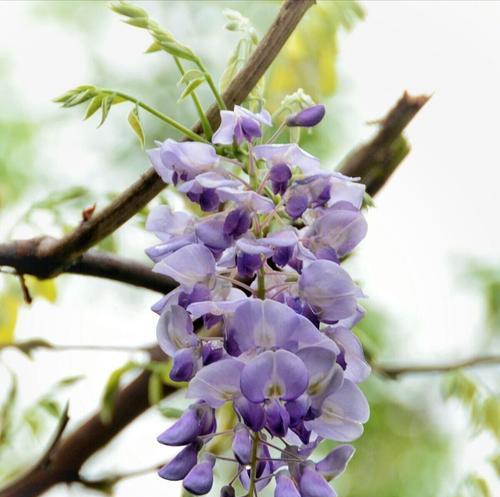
73 451
22 255
396 371
377 159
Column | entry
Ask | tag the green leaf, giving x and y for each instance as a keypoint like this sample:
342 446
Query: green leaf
7 409
94 106
190 75
50 406
106 104
135 123
491 415
155 388
191 87
69 381
170 412
111 391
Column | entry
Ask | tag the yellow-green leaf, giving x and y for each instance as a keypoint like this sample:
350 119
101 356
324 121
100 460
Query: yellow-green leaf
135 123
9 308
42 288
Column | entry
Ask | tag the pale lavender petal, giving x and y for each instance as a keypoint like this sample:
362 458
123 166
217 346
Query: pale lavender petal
335 463
290 154
164 223
253 247
217 308
341 229
247 198
345 190
165 173
175 330
180 267
357 369
322 369
225 132
342 414
285 487
217 383
266 324
329 290
280 375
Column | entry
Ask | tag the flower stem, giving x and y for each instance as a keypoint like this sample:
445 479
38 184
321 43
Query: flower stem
253 462
172 122
211 84
207 129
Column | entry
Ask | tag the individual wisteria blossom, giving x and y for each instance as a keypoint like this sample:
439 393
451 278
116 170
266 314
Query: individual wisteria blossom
261 320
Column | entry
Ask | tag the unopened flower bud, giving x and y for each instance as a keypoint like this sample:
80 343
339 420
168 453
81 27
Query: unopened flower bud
307 118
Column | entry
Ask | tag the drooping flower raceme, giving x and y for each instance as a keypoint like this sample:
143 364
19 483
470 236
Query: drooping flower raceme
262 315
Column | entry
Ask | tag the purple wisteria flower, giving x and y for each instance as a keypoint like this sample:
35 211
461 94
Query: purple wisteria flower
240 124
260 324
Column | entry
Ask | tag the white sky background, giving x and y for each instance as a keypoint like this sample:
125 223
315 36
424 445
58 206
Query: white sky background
440 207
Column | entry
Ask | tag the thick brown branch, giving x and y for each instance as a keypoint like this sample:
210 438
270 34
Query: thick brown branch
72 452
377 159
23 256
58 254
396 371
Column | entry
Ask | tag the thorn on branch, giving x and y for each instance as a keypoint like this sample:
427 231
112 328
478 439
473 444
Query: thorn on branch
24 287
88 212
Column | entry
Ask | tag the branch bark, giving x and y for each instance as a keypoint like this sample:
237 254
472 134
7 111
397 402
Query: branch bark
72 452
376 160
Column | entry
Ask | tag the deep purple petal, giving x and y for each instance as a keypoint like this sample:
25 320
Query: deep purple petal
296 206
253 415
307 118
184 365
182 463
312 484
200 479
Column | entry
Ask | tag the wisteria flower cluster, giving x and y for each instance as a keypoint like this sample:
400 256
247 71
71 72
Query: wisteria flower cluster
263 312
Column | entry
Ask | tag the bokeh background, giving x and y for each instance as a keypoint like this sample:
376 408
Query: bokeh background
430 264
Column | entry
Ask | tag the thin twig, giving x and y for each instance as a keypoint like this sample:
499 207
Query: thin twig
33 344
376 160
396 371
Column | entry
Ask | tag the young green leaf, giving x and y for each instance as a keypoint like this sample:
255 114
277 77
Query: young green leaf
111 391
106 104
155 388
190 76
170 412
135 123
128 10
94 106
191 87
